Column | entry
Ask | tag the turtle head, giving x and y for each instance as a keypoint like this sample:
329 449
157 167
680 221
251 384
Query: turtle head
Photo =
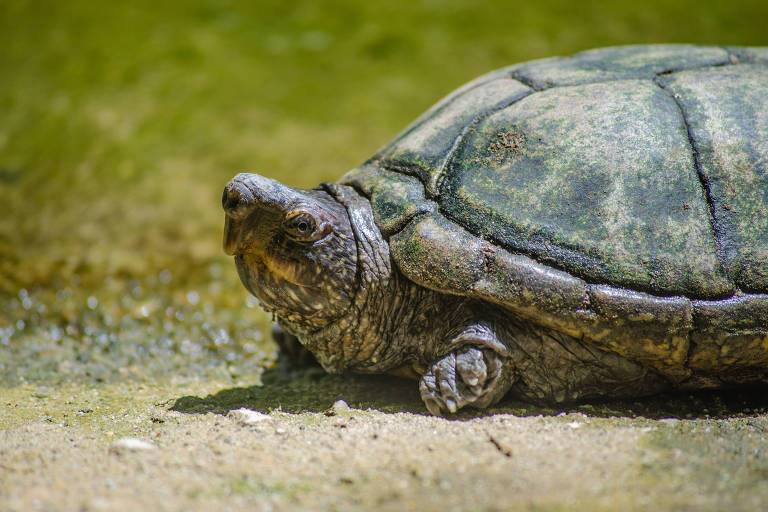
294 250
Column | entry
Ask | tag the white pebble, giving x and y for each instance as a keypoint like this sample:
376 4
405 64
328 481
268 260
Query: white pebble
340 405
245 416
133 444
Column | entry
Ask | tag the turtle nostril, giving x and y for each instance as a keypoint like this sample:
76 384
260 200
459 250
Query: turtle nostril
236 200
230 201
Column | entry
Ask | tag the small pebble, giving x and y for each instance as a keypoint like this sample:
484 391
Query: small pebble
247 417
132 444
339 406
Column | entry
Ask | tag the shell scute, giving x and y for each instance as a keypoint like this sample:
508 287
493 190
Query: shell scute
753 54
651 330
617 63
727 113
730 334
395 198
422 149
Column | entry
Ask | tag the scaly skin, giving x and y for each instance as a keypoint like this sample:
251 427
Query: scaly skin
334 288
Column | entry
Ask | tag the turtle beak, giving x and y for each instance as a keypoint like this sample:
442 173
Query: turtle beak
231 232
237 201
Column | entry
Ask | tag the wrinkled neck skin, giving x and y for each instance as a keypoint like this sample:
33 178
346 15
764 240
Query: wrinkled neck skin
391 320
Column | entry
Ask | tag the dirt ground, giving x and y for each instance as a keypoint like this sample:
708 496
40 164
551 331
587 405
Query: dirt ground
175 445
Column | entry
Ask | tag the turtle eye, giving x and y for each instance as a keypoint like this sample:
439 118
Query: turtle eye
301 226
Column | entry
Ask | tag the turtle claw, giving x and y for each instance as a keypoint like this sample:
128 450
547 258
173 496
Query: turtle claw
433 406
472 368
462 379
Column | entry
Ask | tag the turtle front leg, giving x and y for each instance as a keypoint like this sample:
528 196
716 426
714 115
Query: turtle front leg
476 373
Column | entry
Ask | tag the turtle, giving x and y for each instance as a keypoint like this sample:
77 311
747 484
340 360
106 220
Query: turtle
558 230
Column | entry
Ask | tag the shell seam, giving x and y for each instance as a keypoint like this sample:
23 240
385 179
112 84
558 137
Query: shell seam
705 186
515 75
530 82
440 176
419 122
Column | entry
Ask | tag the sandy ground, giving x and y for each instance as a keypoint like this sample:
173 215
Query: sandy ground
175 445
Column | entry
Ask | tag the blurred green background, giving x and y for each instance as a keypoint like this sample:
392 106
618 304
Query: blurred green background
120 122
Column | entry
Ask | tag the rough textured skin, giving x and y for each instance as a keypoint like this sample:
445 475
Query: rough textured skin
565 228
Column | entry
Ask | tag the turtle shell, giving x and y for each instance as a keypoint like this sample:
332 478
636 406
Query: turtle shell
619 195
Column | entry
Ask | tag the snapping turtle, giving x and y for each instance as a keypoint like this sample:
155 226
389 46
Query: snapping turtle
560 229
